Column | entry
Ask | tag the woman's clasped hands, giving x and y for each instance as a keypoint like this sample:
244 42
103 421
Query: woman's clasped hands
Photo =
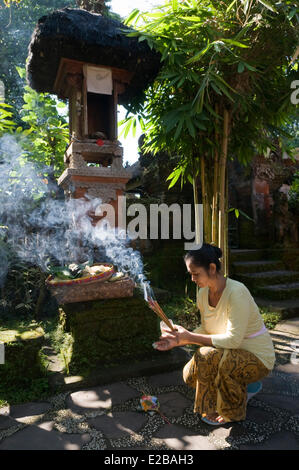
171 339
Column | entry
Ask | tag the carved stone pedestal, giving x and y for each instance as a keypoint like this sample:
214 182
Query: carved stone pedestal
95 171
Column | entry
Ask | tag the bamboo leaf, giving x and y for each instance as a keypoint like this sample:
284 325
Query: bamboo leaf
196 19
241 67
174 176
215 88
197 56
132 16
200 125
179 129
245 215
211 111
190 127
230 6
250 67
189 178
235 43
134 128
246 5
268 5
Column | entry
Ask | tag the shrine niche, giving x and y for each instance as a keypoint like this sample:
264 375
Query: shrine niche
87 59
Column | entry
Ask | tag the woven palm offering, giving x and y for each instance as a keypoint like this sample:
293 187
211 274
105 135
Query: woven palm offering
80 283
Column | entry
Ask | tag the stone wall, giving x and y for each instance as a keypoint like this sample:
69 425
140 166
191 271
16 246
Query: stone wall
109 332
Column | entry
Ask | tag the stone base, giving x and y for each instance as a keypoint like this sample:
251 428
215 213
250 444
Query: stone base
22 360
107 333
158 363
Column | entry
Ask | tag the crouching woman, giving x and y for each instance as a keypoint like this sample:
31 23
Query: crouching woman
235 348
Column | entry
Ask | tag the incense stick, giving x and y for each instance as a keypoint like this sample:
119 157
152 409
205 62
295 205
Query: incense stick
157 309
153 304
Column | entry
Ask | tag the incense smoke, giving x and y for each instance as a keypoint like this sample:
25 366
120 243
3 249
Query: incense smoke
41 228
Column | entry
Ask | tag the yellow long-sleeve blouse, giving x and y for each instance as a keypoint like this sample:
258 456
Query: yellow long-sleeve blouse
235 317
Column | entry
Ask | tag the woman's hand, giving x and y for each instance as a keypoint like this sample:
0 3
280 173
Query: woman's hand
170 339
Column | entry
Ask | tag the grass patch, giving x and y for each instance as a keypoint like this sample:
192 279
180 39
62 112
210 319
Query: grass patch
270 318
22 383
36 389
183 311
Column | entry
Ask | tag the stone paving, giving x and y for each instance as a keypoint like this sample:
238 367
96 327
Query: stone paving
108 417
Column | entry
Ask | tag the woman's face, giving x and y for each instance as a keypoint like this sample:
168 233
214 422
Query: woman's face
198 274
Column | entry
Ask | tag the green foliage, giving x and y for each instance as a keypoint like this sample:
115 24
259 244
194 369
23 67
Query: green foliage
183 311
235 55
7 125
46 135
35 390
96 340
294 194
21 290
23 376
17 25
270 318
72 271
238 212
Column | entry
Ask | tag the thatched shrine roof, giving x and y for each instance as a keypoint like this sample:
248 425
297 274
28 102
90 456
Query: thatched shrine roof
79 35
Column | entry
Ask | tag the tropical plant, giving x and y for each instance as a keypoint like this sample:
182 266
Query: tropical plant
293 196
223 90
7 125
17 22
46 134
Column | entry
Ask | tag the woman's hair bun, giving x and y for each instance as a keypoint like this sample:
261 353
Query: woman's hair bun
217 251
205 255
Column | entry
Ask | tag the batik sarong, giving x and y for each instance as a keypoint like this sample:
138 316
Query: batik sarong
220 378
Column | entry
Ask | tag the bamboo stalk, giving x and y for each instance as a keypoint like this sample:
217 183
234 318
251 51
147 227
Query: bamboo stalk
215 203
205 199
197 221
196 202
226 251
222 175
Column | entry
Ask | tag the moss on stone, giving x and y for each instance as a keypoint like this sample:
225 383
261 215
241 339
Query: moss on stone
106 331
22 357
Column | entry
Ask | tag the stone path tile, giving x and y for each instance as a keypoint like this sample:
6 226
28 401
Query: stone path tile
170 378
21 412
179 438
258 415
276 384
291 370
173 404
279 441
7 422
119 424
284 345
223 437
280 401
43 437
100 397
288 326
